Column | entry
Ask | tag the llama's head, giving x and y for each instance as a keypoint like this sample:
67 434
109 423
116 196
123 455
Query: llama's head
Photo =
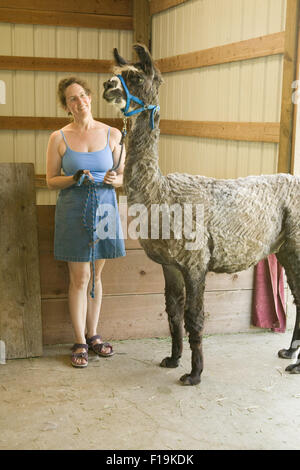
142 80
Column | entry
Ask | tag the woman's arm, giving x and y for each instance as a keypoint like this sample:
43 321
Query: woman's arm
115 178
53 172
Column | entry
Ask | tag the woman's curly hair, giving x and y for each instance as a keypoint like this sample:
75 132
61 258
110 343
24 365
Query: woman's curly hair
65 83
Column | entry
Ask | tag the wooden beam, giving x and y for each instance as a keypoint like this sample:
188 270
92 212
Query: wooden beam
262 46
104 7
46 123
295 163
295 160
53 64
156 6
243 131
79 20
289 75
141 22
40 182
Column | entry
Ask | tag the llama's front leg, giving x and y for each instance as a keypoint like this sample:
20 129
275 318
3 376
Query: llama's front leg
174 296
194 322
293 352
295 343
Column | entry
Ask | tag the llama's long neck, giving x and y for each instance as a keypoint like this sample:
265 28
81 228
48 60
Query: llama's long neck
142 177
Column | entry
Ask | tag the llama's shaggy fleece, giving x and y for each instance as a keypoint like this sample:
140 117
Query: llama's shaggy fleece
244 220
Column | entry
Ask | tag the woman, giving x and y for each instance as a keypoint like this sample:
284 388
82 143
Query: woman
86 150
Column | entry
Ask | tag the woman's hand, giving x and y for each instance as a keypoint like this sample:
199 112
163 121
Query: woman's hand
110 177
79 173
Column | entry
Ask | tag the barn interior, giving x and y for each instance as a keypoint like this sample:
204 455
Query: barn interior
228 109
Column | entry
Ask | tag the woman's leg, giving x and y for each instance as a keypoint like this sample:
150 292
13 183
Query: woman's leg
94 305
79 279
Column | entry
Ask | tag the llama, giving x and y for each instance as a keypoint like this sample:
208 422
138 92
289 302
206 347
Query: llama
244 219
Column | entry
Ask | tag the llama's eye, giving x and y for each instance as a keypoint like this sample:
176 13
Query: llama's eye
140 80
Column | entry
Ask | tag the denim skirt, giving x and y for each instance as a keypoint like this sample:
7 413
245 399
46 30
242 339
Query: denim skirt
87 224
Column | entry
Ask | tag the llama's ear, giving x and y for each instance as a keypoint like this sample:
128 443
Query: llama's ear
145 58
119 60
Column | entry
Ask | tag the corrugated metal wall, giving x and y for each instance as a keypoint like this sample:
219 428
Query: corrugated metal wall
34 93
249 90
243 91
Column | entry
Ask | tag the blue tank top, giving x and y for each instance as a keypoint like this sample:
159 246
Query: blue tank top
97 162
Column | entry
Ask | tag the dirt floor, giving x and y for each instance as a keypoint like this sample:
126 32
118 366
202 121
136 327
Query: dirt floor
246 400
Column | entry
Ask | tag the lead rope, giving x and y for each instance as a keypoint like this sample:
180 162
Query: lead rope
124 133
114 168
92 194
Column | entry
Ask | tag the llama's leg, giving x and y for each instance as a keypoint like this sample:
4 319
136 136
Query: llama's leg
291 263
194 322
294 368
174 295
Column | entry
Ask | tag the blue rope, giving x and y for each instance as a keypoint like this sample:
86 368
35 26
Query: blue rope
92 194
90 226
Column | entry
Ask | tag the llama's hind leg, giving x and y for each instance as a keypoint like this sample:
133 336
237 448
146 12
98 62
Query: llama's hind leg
194 322
174 296
290 260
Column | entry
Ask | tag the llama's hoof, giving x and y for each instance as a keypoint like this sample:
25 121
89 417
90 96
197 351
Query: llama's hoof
169 362
286 353
187 379
293 368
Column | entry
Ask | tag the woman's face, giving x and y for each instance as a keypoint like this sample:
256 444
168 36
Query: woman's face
77 101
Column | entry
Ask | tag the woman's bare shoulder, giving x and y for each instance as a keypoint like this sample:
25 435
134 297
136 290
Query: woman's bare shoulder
55 136
56 142
115 133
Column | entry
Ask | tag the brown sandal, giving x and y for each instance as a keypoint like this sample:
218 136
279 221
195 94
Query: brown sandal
78 355
98 347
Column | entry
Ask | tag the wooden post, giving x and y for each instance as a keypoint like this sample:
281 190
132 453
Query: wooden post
157 6
20 296
289 75
295 166
142 22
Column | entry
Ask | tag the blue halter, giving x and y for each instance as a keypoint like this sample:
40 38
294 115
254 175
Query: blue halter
129 97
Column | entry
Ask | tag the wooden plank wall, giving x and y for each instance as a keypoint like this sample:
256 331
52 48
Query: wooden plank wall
108 14
133 294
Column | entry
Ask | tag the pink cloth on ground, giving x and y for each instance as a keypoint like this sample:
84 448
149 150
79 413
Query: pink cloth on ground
268 299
